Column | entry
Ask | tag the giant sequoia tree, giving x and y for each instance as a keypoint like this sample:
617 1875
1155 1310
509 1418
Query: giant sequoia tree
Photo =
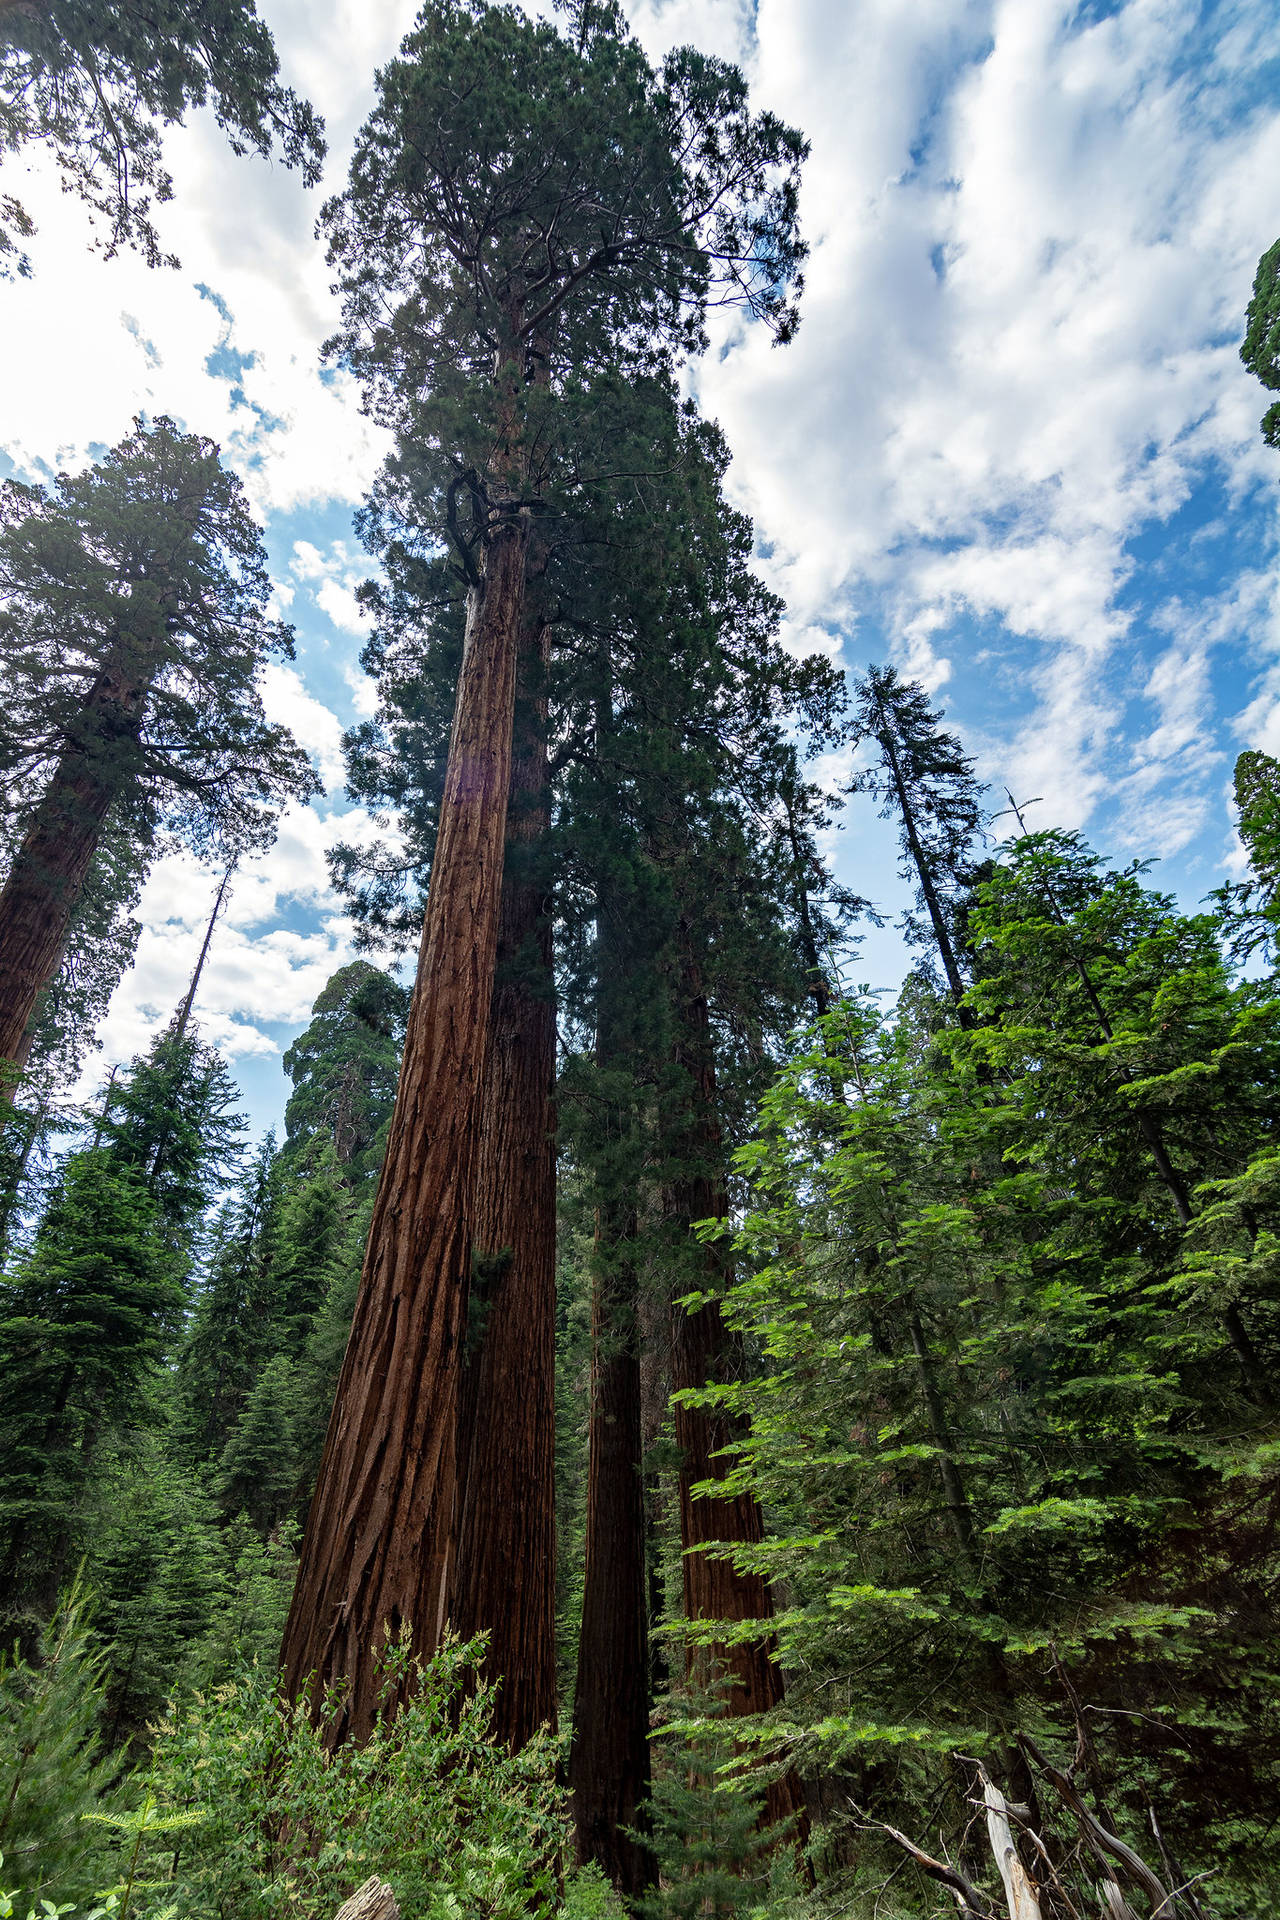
568 209
134 627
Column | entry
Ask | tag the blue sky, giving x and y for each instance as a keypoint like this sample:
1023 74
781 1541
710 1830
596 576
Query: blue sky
1012 448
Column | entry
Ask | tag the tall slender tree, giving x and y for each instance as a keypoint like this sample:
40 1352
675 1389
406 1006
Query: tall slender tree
922 777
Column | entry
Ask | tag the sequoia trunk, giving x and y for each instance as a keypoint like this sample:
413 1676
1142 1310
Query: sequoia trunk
505 1573
380 1535
52 864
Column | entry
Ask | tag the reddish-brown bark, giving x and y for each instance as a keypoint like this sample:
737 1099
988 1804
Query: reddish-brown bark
609 1758
381 1531
505 1572
52 864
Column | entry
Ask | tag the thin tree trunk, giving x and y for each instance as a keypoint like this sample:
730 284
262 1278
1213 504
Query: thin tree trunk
609 1756
377 1552
609 1759
48 874
937 919
505 1574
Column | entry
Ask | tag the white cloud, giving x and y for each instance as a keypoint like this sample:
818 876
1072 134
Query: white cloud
287 702
259 973
1033 239
338 573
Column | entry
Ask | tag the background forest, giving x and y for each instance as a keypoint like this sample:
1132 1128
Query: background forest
659 1427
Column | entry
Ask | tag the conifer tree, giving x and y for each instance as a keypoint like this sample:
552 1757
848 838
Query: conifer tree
344 1067
82 1320
471 270
921 776
258 1472
1260 350
228 1335
92 79
52 1771
134 629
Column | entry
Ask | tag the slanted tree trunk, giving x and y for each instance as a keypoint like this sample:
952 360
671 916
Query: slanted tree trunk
380 1535
705 1352
937 918
505 1573
48 875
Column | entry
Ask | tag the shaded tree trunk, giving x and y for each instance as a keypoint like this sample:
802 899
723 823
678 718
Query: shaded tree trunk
706 1352
505 1573
609 1759
48 874
381 1530
609 1755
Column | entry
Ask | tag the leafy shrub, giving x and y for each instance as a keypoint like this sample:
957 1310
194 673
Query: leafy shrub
455 1823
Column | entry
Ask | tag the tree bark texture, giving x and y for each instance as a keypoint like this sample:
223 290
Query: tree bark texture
706 1352
505 1570
609 1758
380 1537
53 861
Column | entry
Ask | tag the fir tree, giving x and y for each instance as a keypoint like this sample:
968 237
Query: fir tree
52 1772
922 777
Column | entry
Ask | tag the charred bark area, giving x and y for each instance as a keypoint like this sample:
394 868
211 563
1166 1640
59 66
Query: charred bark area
505 1573
378 1549
53 861
609 1759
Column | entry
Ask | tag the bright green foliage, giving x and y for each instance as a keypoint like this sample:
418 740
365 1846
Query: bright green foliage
51 1770
83 1318
1118 1027
458 1827
344 1068
1011 1412
148 565
1261 349
91 79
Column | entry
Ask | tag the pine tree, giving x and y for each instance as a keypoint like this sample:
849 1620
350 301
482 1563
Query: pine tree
92 80
134 630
